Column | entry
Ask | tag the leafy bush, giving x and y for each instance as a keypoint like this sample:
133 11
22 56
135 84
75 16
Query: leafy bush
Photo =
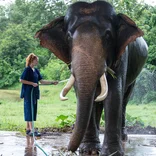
55 70
132 121
66 120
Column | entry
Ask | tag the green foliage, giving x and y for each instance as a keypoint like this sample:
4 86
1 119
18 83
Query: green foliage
18 25
102 121
20 20
149 28
55 70
50 107
44 56
10 126
7 74
3 18
14 46
66 120
132 121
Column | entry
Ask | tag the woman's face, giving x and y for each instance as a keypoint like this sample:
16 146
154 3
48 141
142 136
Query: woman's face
35 62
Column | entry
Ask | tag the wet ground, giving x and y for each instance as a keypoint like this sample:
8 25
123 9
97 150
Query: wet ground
15 144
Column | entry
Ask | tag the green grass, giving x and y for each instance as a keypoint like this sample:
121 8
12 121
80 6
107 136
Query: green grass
145 113
50 106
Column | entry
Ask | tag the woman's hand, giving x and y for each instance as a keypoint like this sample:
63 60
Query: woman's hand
34 84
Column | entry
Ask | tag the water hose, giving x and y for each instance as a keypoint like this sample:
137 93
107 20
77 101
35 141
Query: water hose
32 111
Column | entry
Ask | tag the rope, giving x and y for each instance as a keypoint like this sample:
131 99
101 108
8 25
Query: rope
32 111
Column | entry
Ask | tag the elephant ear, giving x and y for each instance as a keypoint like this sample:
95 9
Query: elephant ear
127 32
53 37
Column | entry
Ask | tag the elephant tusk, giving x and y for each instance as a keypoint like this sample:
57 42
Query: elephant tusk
104 89
66 89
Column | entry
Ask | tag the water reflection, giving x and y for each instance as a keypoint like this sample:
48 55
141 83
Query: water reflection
30 149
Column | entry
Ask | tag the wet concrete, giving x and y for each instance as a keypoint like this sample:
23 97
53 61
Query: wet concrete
15 144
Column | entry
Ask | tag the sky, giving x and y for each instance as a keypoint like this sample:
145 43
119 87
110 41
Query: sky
4 2
150 2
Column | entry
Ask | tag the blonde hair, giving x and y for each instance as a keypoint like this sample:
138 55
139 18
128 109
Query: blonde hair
30 58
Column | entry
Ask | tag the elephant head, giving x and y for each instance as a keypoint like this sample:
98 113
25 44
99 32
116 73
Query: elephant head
90 37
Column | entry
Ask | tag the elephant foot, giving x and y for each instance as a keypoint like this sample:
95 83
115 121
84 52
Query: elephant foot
124 134
114 150
116 153
87 149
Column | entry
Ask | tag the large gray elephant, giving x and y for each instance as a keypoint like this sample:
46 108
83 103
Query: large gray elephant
105 52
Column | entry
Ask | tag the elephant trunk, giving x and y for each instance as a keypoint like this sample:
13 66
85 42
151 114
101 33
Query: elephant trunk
85 96
88 66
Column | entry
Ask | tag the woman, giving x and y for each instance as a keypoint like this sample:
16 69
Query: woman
30 91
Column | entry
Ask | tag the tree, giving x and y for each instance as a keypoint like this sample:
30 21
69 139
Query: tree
20 21
150 25
15 45
55 70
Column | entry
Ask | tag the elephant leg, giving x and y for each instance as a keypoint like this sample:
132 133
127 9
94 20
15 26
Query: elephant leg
90 144
125 101
112 144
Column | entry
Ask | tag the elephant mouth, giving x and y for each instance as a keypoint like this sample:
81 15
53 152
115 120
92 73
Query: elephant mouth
100 97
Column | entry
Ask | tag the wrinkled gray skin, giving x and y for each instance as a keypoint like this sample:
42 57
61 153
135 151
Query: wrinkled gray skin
92 37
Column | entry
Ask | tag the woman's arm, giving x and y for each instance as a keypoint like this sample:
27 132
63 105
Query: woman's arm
46 82
28 83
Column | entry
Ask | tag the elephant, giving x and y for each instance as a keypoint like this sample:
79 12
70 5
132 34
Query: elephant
105 52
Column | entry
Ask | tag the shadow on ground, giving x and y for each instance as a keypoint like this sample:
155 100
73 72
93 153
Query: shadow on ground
15 144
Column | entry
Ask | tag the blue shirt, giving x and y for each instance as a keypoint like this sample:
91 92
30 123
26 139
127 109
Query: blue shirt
33 76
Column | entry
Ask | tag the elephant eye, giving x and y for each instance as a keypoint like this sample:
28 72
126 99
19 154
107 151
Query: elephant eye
107 37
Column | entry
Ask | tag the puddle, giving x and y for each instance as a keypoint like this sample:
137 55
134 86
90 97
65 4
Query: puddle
15 144
140 145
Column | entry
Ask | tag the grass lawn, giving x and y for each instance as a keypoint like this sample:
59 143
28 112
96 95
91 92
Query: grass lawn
50 106
143 113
